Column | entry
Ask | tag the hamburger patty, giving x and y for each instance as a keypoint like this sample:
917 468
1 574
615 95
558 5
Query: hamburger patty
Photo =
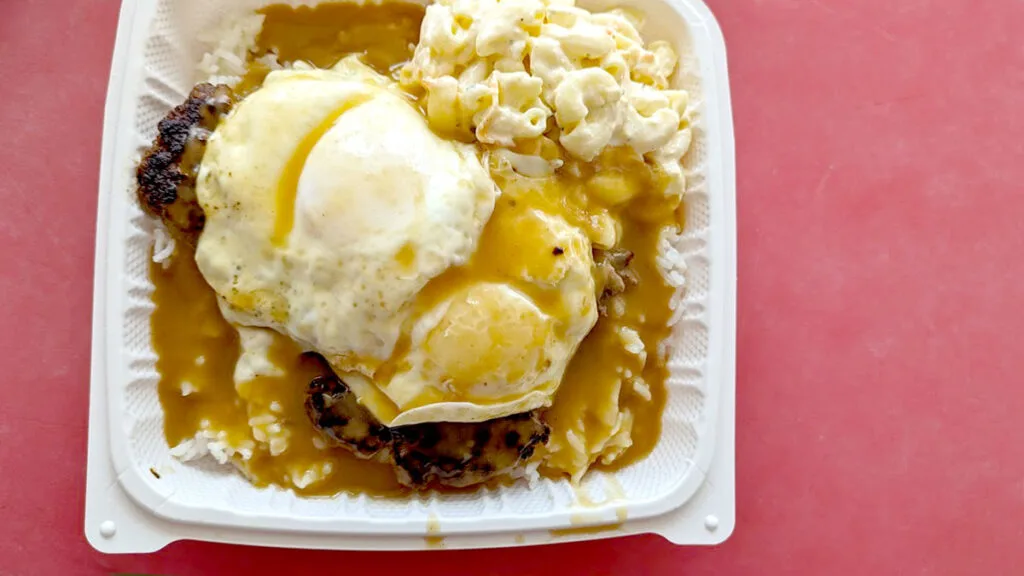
166 175
342 421
439 453
466 453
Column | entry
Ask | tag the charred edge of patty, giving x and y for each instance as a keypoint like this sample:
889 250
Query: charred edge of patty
342 421
166 176
465 453
424 455
614 276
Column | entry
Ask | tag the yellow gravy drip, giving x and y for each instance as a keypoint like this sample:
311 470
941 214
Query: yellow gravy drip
433 538
287 187
585 530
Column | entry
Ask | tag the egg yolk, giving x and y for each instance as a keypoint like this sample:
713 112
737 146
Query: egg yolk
489 341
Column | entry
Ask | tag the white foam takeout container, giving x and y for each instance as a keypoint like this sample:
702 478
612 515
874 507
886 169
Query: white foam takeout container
683 491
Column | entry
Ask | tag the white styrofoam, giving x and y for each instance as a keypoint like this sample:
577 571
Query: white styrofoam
684 490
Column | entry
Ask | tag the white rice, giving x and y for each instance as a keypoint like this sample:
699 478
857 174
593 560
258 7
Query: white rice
618 442
303 478
230 44
641 388
163 245
632 343
213 443
528 472
187 388
672 266
670 261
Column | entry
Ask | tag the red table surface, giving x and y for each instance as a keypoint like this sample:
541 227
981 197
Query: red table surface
880 426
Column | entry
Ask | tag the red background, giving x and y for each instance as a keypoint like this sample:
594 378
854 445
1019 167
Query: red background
880 428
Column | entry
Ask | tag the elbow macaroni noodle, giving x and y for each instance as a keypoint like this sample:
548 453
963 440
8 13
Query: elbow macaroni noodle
514 70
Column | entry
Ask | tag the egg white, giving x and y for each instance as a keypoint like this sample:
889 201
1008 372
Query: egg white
336 217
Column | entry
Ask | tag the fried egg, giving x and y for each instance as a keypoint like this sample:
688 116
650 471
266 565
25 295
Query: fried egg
336 217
